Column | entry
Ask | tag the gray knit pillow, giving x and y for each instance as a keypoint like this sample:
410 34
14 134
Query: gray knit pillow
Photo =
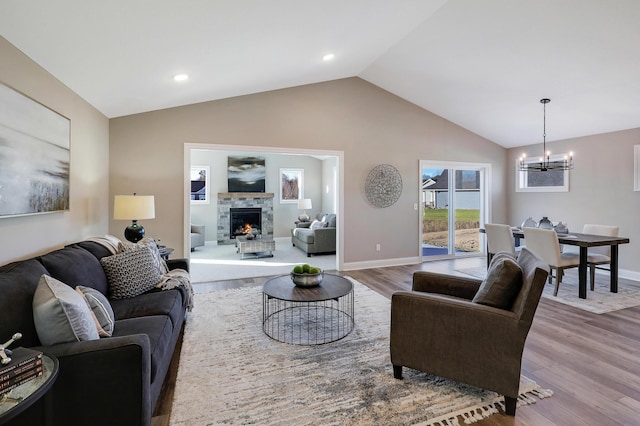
131 273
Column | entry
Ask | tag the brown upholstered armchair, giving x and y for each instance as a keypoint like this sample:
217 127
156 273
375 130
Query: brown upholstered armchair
439 329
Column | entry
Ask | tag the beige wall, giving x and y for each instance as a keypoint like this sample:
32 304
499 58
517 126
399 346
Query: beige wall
600 189
30 235
365 122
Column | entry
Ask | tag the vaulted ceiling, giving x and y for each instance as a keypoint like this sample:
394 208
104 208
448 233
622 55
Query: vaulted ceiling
483 65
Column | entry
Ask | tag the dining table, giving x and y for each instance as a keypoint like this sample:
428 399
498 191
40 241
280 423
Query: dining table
584 241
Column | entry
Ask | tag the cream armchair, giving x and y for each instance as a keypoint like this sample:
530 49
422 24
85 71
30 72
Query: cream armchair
438 328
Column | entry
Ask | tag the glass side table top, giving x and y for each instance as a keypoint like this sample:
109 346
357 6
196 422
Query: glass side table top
22 397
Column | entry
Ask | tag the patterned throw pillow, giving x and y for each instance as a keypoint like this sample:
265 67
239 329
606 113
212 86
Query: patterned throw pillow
131 273
100 309
60 314
151 243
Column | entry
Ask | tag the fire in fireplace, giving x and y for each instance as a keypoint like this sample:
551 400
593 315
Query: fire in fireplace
244 220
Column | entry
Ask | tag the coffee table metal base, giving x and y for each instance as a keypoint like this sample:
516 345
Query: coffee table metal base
308 322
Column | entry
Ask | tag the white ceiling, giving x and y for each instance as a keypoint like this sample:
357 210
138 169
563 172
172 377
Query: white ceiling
481 64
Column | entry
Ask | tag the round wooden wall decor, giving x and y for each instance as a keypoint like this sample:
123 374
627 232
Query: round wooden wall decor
383 185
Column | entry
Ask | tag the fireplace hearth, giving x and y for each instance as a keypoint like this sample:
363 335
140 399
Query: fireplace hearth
245 220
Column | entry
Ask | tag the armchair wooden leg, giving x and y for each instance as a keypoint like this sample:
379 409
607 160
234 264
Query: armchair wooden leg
592 272
397 372
510 405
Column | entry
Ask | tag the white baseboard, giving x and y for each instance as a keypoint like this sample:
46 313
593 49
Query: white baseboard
353 266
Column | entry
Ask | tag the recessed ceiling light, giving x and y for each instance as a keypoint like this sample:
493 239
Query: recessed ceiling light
181 77
328 57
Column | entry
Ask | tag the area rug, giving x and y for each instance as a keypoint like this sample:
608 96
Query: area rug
231 373
599 301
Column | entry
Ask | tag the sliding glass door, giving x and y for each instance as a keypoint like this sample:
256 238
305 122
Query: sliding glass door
454 204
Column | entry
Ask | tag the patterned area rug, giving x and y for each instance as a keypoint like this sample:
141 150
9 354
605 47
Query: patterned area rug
231 373
599 301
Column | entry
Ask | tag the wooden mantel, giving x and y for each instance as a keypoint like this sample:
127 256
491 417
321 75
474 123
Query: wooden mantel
245 194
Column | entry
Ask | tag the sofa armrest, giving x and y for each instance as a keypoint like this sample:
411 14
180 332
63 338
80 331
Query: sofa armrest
198 229
431 282
178 264
102 382
325 238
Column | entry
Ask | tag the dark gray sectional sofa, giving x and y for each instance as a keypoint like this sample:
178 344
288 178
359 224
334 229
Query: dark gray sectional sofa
109 381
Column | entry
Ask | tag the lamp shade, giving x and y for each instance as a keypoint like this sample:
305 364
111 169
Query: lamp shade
304 203
134 207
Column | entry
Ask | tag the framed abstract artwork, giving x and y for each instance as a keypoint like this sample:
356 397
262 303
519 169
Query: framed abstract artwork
246 174
34 156
291 185
200 185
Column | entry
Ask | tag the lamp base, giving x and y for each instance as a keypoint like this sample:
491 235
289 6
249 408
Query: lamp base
134 232
304 217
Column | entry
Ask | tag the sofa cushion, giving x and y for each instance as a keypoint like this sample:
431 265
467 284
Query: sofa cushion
75 266
305 235
156 302
159 329
18 282
100 308
131 273
60 314
502 284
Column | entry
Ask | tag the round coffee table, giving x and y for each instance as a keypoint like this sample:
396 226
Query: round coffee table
307 315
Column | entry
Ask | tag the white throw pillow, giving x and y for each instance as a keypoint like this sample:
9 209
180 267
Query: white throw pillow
317 224
60 314
100 310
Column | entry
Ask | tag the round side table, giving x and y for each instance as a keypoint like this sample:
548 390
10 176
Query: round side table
24 396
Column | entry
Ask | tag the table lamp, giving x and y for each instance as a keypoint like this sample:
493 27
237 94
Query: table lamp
134 207
304 204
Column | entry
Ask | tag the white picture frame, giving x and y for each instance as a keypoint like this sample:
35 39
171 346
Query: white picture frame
636 168
291 185
199 180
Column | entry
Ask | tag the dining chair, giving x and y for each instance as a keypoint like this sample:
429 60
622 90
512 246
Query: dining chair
499 238
544 243
599 255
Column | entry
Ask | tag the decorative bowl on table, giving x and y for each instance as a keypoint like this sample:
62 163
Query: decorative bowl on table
306 279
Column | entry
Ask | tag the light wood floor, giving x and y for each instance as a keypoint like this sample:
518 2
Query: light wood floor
590 361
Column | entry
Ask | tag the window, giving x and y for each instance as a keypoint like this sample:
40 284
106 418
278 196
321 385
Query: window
536 181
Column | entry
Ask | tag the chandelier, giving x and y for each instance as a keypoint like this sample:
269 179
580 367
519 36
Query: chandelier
545 163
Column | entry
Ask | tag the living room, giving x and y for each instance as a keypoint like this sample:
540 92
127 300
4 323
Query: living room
362 123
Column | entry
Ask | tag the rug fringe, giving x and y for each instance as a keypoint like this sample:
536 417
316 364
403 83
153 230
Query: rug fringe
474 415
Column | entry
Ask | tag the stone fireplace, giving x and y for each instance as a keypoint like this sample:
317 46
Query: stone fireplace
247 201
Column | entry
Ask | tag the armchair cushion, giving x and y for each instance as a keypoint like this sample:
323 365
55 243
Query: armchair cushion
502 284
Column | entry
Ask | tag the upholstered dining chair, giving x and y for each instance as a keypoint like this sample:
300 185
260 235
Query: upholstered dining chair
599 255
499 238
544 243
